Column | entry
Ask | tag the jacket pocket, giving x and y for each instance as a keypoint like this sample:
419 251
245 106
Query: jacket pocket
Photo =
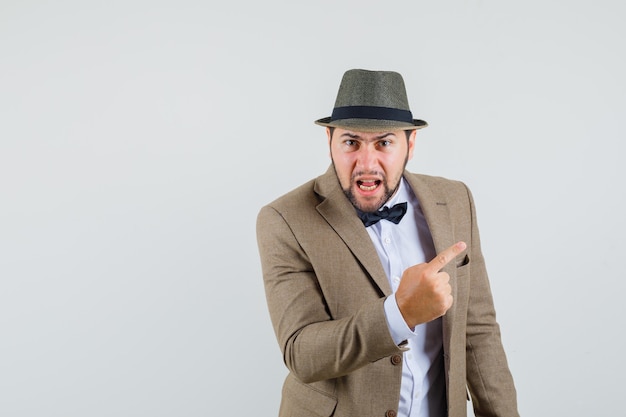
303 400
463 262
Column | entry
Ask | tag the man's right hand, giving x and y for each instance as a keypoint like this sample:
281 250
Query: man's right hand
424 293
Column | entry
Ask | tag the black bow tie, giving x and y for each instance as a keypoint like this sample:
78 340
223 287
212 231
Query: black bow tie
393 214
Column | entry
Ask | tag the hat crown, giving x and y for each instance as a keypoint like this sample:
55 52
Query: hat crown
372 88
372 101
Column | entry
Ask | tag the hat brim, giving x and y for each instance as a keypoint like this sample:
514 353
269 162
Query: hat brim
371 125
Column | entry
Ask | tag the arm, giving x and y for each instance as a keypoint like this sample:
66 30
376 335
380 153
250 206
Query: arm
315 344
489 380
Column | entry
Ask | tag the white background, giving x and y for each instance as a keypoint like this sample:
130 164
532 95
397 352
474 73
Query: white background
138 140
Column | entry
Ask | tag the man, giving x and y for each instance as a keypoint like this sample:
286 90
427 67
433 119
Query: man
374 276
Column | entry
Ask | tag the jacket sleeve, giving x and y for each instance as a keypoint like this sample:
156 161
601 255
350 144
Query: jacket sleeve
315 344
489 380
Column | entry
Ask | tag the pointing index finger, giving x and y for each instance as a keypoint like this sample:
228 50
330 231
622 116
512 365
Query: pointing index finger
445 256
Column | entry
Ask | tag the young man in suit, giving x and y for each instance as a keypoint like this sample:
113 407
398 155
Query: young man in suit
374 276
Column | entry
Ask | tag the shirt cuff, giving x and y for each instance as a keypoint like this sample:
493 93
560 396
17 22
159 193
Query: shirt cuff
398 328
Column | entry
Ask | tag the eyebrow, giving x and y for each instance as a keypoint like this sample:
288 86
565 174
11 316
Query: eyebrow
355 136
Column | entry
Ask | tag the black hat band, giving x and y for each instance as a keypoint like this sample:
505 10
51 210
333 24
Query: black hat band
372 112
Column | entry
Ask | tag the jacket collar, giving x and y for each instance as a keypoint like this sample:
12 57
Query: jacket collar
341 216
434 204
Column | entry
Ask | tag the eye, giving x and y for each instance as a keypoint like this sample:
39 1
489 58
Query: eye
384 143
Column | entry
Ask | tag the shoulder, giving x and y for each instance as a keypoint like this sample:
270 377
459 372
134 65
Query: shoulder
302 196
436 183
441 191
294 207
308 195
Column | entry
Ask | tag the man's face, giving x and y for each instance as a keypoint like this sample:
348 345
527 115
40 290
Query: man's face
369 166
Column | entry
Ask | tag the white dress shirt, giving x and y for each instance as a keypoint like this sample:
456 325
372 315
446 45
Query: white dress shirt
400 246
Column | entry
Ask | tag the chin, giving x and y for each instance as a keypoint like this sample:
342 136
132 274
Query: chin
368 205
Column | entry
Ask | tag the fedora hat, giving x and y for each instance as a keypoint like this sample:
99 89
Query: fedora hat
371 101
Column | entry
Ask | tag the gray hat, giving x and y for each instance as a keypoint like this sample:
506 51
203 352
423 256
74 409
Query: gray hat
372 101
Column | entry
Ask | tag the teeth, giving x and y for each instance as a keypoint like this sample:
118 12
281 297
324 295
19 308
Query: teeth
368 185
367 188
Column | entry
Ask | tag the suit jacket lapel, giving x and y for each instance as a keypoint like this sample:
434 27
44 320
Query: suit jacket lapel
435 208
341 216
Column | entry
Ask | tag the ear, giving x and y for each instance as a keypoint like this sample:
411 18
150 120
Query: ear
328 135
411 143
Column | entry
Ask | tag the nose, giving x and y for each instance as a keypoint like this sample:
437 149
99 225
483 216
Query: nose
367 159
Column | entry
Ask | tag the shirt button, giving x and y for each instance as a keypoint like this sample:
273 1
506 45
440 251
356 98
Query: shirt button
387 240
396 279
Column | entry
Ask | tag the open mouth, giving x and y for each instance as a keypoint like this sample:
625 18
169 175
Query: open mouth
368 185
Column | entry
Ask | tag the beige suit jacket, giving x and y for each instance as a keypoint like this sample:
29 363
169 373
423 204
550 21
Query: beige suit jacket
325 289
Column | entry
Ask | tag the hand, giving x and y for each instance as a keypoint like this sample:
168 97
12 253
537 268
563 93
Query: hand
424 293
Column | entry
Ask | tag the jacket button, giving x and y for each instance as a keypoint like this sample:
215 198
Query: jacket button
391 413
396 359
